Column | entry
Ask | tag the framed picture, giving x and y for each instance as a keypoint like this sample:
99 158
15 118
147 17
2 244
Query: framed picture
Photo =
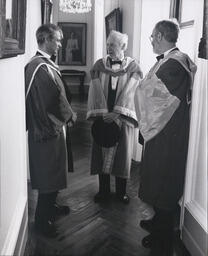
73 51
12 27
46 11
113 21
182 11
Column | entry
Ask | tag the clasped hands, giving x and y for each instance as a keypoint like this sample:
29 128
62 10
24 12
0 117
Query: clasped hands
110 117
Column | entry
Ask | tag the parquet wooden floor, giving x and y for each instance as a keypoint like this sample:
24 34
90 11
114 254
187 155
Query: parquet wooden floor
108 229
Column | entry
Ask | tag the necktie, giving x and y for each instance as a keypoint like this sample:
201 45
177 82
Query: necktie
160 57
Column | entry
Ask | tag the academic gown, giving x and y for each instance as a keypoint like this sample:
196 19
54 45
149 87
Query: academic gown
115 160
166 92
47 111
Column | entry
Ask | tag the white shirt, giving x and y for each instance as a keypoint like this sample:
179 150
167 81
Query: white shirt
166 53
44 54
49 58
114 80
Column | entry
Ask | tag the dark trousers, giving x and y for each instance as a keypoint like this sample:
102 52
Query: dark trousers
44 208
104 184
163 232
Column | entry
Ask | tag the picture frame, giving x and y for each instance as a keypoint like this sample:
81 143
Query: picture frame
73 50
113 21
178 9
46 11
12 27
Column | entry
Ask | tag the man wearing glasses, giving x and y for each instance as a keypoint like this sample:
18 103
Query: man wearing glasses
162 102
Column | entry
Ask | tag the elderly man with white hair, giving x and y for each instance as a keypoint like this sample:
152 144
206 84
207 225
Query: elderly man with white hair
111 107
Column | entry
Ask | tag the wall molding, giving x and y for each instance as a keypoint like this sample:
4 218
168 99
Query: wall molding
198 212
194 236
23 234
14 228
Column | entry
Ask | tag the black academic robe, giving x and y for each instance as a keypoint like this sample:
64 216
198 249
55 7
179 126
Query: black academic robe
47 111
164 157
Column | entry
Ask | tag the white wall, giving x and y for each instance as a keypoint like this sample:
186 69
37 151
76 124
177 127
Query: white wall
195 230
13 167
152 11
59 16
131 16
195 201
98 29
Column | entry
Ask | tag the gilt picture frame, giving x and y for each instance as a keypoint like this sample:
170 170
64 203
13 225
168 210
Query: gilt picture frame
73 50
12 27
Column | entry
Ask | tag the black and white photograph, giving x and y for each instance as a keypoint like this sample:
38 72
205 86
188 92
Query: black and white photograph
103 128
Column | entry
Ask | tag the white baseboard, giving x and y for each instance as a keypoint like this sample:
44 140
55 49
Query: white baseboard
18 220
23 235
194 236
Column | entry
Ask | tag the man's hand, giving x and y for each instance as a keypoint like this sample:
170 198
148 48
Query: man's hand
73 119
110 117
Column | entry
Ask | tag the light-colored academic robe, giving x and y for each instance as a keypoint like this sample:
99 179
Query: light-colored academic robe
115 160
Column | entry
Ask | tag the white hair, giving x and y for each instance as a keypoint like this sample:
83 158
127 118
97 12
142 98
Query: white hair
119 37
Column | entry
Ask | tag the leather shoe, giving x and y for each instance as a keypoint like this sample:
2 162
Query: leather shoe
124 199
47 229
101 197
147 241
60 210
147 225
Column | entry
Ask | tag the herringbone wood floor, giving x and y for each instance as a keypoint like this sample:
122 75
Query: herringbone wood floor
108 229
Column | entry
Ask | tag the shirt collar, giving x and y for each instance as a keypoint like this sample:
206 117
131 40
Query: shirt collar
44 54
170 50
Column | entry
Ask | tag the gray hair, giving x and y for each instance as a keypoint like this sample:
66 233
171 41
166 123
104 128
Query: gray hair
119 37
169 29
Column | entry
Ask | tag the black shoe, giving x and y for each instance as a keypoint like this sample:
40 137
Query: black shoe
101 197
147 241
60 210
47 229
124 199
147 225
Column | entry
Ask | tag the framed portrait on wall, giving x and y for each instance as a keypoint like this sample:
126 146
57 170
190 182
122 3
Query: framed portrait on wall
113 21
73 51
12 27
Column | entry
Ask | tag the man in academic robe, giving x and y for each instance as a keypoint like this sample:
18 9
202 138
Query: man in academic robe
47 112
162 103
111 105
